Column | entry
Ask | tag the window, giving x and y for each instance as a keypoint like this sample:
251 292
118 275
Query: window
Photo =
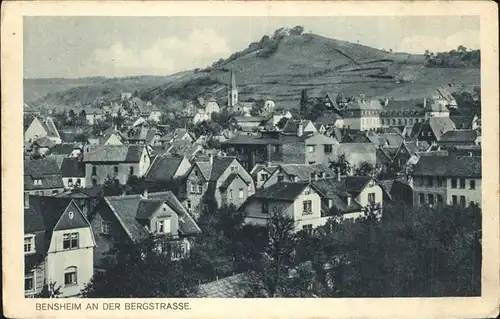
313 175
462 183
55 192
453 183
115 169
306 207
472 184
94 181
163 226
422 198
29 281
393 122
70 182
371 198
230 194
188 204
411 121
328 148
454 199
200 188
462 201
406 122
310 148
29 244
431 199
439 181
439 199
78 182
264 177
307 228
70 276
281 178
37 182
70 240
240 193
265 208
312 162
131 170
94 170
204 207
430 181
105 227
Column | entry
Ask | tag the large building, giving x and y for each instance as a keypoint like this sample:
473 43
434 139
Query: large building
452 180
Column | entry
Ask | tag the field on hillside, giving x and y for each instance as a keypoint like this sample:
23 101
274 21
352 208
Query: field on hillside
297 62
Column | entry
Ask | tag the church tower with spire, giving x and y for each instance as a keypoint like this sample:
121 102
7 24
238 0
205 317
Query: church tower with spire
232 91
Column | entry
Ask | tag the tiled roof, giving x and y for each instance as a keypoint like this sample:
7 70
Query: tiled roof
460 136
126 209
449 166
390 151
404 105
46 169
230 179
281 191
72 167
440 125
462 122
205 168
304 171
65 148
115 153
147 207
184 148
414 147
328 118
355 184
219 166
44 141
236 286
163 168
364 104
270 169
50 127
291 126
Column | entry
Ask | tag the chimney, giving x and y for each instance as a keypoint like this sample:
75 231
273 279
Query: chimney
348 199
416 142
145 193
211 159
425 102
300 129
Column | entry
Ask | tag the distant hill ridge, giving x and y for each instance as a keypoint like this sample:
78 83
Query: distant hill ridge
279 67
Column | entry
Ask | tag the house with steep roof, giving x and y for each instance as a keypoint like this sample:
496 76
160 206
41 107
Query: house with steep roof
115 162
261 173
454 180
432 129
73 173
42 128
42 177
299 201
166 168
466 122
330 119
349 197
132 218
408 150
219 181
86 198
298 173
58 246
292 126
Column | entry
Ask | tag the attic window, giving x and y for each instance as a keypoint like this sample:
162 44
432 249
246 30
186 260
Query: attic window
29 244
37 181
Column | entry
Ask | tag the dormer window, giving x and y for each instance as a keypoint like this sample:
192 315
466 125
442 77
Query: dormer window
29 244
37 181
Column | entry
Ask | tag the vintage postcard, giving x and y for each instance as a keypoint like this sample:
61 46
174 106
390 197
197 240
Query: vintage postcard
250 159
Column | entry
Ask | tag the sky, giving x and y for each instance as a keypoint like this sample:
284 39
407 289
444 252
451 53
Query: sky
73 47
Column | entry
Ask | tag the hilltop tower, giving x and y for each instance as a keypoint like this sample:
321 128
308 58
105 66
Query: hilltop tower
232 91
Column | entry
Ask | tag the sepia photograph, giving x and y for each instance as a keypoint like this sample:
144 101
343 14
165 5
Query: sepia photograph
252 156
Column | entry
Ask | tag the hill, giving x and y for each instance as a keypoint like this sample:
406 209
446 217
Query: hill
279 67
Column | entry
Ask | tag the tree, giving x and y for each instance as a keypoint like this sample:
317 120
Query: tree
364 169
297 30
50 290
112 187
304 103
142 270
281 123
341 165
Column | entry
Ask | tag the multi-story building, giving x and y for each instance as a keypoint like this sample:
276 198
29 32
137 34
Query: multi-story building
453 180
42 177
58 246
115 162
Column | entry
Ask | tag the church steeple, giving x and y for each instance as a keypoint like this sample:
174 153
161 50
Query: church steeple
232 92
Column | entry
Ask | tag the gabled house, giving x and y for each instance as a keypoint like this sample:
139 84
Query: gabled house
432 129
58 246
220 181
298 201
132 218
261 173
407 150
292 126
85 198
349 196
42 128
42 177
184 148
330 119
165 169
115 162
298 173
73 173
